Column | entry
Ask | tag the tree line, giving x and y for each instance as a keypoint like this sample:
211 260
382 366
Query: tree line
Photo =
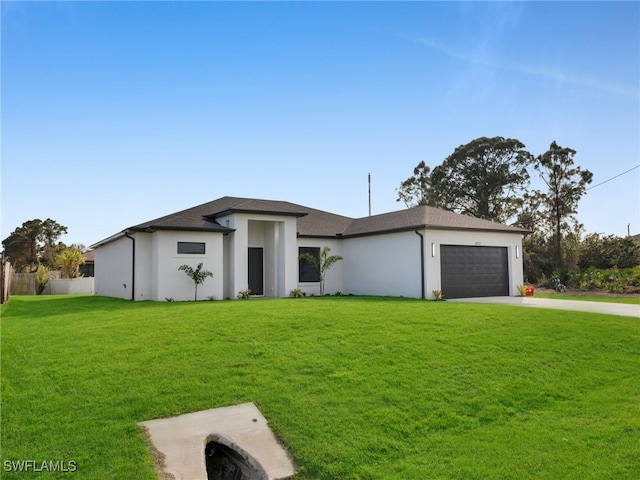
34 247
490 178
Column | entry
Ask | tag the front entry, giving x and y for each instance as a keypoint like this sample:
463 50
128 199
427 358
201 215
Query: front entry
256 271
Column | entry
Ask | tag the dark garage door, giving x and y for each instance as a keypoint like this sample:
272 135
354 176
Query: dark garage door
474 271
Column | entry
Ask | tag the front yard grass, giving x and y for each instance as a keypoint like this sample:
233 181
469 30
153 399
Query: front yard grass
355 387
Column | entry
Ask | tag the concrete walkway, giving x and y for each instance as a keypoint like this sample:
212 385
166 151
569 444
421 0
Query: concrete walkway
608 308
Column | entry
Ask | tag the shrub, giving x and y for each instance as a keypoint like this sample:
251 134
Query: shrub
296 293
42 276
69 261
244 294
634 276
608 252
614 280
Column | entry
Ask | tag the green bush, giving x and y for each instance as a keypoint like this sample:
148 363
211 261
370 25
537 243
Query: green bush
608 252
614 280
244 294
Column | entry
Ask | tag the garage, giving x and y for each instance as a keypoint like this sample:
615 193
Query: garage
474 271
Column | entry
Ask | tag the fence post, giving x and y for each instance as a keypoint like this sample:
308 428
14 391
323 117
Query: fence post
5 278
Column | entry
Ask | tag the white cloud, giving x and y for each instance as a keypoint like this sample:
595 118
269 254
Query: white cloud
484 57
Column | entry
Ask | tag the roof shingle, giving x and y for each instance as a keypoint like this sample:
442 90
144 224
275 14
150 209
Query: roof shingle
424 217
318 223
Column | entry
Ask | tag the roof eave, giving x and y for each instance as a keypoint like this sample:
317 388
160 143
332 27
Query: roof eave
230 211
429 227
155 228
320 235
110 239
515 230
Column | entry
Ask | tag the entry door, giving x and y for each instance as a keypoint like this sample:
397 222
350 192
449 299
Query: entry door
256 271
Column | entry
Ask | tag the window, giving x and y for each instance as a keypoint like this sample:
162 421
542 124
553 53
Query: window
191 248
307 271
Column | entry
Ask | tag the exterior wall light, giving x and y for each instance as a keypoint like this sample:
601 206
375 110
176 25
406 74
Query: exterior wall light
433 249
517 251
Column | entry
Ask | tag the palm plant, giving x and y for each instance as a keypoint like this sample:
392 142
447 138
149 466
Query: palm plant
321 264
69 261
198 275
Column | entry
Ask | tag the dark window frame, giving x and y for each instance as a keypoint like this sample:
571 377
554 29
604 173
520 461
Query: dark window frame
192 248
307 273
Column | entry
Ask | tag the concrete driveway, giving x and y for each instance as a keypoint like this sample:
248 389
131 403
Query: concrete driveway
574 305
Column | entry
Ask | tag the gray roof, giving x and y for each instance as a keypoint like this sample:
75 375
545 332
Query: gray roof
318 223
424 217
203 217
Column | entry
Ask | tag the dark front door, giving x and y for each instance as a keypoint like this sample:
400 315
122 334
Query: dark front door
474 271
256 271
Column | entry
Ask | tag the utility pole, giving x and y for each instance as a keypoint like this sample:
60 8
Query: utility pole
369 194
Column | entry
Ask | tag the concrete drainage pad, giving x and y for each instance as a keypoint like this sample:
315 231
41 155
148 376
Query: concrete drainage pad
238 442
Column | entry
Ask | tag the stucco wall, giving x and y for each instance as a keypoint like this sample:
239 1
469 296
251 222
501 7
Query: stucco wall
70 286
113 269
387 264
156 274
172 283
276 234
333 281
144 266
484 239
382 265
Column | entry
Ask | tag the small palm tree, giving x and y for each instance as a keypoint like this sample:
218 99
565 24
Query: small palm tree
197 275
69 261
322 264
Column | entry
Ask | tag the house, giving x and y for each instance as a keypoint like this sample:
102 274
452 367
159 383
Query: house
255 244
88 267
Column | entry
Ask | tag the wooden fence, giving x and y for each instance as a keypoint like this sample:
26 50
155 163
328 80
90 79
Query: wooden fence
24 284
5 279
27 284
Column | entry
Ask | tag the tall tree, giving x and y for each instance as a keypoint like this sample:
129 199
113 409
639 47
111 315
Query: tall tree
486 178
34 242
566 184
416 189
21 246
50 247
530 214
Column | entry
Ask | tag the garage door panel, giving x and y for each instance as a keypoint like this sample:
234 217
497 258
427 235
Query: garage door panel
474 271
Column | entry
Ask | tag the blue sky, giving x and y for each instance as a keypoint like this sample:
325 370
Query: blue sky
116 113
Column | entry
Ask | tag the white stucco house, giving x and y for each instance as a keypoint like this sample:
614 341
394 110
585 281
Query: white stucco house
255 244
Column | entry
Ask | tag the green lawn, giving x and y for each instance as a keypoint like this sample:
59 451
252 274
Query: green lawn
355 387
590 298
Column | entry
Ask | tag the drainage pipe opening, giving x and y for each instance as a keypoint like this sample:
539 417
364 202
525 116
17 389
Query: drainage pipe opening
224 463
